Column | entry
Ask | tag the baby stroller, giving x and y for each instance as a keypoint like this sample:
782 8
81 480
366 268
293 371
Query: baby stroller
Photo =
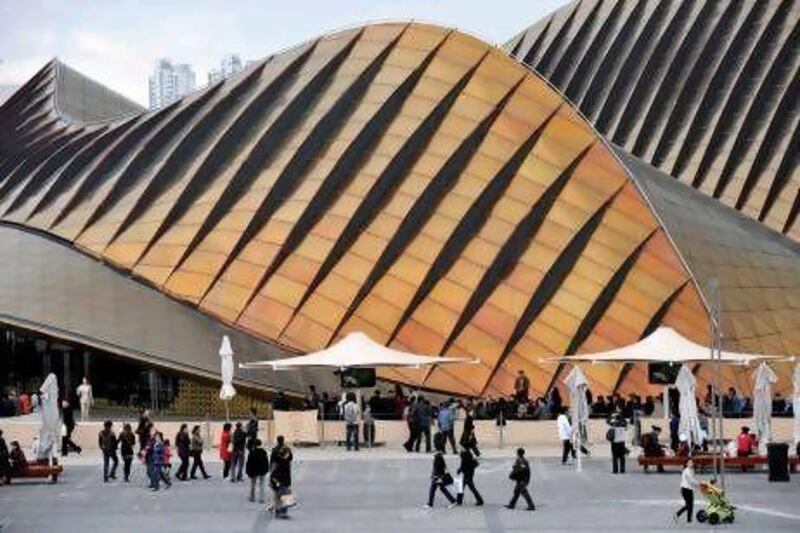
718 508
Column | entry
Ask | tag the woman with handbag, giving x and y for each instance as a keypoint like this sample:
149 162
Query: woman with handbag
467 471
440 478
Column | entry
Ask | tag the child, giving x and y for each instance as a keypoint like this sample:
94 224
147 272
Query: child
166 466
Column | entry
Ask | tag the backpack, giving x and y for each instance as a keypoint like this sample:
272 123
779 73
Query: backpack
610 435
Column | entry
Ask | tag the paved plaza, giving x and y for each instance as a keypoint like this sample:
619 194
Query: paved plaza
384 490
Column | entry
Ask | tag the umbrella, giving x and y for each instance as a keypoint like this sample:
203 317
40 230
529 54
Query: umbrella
762 405
796 406
51 421
227 391
690 424
577 384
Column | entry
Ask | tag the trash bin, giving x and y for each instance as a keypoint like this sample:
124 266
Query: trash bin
778 461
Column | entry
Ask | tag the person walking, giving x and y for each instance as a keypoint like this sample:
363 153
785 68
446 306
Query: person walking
467 471
257 469
68 426
688 483
183 443
352 416
521 476
446 419
127 440
157 462
238 445
565 435
196 452
252 428
617 434
225 448
144 428
107 442
410 416
280 479
440 478
468 438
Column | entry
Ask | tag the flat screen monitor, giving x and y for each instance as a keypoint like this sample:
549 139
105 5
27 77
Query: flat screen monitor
357 378
662 373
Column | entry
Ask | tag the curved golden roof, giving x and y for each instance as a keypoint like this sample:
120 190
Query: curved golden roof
404 180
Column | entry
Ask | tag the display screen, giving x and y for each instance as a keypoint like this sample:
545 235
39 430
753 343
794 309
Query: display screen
662 373
357 378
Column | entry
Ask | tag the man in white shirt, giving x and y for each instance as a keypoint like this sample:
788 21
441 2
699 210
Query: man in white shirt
565 435
84 392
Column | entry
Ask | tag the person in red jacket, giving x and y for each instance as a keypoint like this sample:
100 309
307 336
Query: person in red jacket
225 449
745 445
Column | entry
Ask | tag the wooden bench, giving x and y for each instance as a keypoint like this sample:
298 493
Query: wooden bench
40 470
702 461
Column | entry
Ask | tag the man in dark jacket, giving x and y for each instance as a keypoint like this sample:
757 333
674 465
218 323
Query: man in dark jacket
5 465
252 429
440 479
144 428
183 444
521 476
257 469
107 442
422 414
467 471
238 441
280 478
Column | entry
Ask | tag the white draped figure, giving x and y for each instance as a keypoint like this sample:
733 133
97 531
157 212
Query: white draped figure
227 391
762 405
577 384
50 432
687 407
796 406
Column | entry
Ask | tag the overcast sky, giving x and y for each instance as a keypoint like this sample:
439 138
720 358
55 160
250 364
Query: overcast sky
117 42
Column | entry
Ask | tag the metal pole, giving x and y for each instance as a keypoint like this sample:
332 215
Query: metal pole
716 356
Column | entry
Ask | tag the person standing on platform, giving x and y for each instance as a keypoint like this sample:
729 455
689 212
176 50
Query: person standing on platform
565 435
410 416
352 416
688 483
521 386
107 442
127 440
196 450
440 479
85 398
252 429
521 476
257 470
467 471
468 439
617 441
183 444
225 448
280 479
238 445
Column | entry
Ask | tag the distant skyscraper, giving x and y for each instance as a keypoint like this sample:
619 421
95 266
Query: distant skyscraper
230 65
170 82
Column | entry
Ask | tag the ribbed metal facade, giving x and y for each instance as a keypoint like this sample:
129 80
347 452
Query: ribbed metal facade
403 180
708 91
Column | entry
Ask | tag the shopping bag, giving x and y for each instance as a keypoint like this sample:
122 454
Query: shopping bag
287 499
458 484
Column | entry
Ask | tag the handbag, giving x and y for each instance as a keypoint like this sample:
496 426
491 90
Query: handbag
447 479
459 484
610 435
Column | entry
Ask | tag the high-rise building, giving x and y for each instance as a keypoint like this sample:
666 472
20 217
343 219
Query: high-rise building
170 82
230 65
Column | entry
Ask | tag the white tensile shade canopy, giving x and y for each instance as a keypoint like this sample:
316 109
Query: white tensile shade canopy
762 405
355 350
690 424
226 392
577 384
663 345
51 421
796 406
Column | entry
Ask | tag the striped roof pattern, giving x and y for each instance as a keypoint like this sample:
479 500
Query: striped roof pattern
707 91
404 180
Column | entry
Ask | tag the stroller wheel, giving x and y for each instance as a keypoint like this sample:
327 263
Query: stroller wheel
701 516
729 519
713 519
